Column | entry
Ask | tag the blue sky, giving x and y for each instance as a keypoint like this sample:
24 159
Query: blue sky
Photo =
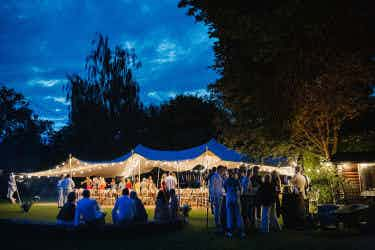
41 41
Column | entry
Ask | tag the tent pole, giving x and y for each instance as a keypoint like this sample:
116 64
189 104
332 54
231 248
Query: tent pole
139 171
206 203
178 181
70 165
157 182
178 184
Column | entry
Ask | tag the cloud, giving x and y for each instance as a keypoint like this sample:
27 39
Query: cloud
60 118
59 99
197 92
161 95
47 83
36 69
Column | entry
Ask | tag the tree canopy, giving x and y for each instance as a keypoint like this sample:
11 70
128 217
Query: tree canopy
22 133
106 111
278 58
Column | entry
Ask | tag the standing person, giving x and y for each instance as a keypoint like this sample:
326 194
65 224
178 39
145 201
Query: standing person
210 188
12 188
161 207
124 210
173 205
60 192
87 183
171 182
267 199
88 211
102 184
67 212
151 188
307 190
254 205
245 199
162 180
299 182
275 208
68 186
137 186
223 211
112 185
232 190
144 189
128 184
216 190
96 183
121 185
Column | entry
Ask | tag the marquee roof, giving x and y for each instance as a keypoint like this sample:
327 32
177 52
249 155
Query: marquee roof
143 159
213 146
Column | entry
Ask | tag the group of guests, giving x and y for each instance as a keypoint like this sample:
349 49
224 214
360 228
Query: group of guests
167 203
65 185
128 208
245 198
146 186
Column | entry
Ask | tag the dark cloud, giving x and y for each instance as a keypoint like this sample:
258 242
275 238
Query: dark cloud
44 40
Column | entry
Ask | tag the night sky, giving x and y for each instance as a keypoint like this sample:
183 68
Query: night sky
42 41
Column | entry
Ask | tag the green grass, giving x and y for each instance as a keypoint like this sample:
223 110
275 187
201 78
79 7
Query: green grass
194 236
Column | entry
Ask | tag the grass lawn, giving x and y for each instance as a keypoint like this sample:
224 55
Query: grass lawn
194 236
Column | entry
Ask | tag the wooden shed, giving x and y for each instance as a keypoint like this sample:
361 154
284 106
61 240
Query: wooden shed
358 172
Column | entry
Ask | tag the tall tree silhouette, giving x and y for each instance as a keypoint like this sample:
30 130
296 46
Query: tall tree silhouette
105 107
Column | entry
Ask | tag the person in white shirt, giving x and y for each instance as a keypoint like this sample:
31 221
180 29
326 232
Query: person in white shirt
68 186
299 182
171 182
216 194
60 192
12 188
88 211
124 210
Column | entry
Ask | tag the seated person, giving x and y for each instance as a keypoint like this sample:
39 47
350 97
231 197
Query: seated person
88 211
140 211
161 208
124 210
173 205
67 212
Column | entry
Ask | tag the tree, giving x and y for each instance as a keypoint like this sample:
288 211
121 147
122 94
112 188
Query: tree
21 132
271 53
326 104
105 107
182 122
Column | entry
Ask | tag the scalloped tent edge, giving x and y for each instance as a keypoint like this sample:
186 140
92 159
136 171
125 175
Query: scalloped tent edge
143 159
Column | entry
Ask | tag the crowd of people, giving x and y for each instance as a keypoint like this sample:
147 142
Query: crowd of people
128 208
241 199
